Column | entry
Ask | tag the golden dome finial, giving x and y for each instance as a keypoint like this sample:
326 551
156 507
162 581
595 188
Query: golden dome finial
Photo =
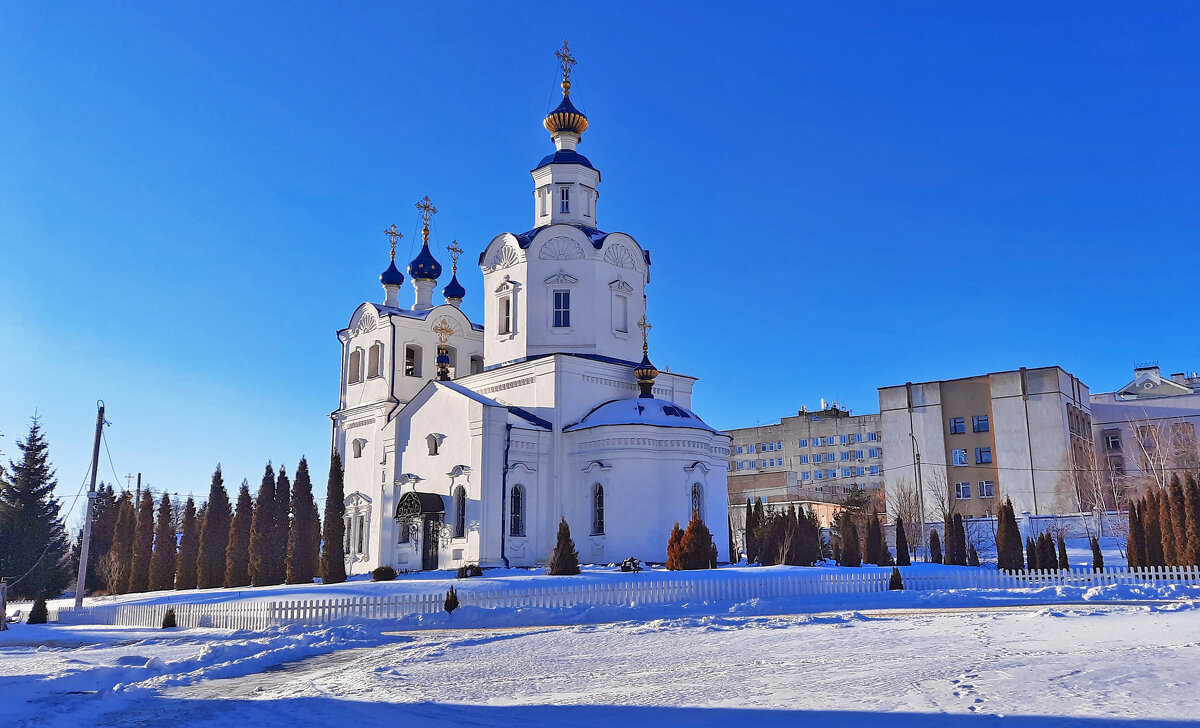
427 212
395 235
567 61
645 372
455 251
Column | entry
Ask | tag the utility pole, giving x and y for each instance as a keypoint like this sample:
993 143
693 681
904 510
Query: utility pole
91 501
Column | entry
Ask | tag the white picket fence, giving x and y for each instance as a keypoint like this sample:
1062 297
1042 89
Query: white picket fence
674 588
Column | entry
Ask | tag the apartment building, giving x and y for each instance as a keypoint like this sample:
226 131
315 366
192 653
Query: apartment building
813 457
977 439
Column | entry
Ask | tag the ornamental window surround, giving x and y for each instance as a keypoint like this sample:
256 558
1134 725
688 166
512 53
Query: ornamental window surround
562 309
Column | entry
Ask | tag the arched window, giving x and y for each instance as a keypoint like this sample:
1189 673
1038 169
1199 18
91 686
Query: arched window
516 511
354 369
356 447
697 501
476 364
597 509
374 359
433 443
460 512
412 360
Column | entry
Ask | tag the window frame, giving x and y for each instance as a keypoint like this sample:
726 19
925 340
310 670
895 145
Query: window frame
957 425
980 423
460 512
517 505
560 314
597 509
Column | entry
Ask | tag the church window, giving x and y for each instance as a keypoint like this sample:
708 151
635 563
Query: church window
356 447
564 199
374 359
452 353
412 360
460 512
621 314
597 509
354 370
361 533
562 309
476 364
505 320
542 196
433 443
516 511
347 534
697 501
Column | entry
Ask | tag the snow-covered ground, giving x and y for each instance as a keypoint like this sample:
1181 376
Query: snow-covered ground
1096 665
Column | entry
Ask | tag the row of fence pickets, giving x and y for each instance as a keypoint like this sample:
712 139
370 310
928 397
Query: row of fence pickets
679 588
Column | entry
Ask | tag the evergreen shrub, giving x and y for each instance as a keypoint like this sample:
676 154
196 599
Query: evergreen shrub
39 614
469 570
896 583
451 600
383 573
169 618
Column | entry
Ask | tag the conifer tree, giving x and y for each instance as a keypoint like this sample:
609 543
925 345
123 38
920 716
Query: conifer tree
283 522
214 535
104 525
896 582
564 559
700 551
949 547
732 546
1135 541
143 544
748 537
1166 526
874 539
162 563
675 558
38 614
333 555
237 555
960 535
34 547
972 556
1178 501
1097 556
903 558
1031 554
1063 561
121 554
263 532
302 558
1008 539
851 550
1047 558
1151 527
1192 519
189 548
935 547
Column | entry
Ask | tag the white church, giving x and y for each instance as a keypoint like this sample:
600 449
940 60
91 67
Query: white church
466 443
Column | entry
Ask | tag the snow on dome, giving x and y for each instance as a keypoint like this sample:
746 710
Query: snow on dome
641 411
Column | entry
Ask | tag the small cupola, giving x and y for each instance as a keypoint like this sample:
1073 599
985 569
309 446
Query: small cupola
645 372
392 279
565 180
454 291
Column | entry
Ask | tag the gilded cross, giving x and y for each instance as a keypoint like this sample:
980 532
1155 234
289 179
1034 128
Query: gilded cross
567 60
395 235
455 251
427 212
443 330
645 326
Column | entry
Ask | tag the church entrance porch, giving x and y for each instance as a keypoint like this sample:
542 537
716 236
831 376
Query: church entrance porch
422 516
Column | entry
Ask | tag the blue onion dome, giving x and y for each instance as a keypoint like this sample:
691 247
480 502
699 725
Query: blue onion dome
392 276
425 265
566 118
454 289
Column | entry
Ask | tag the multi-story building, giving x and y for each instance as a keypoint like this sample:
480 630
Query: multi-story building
977 439
811 458
1145 432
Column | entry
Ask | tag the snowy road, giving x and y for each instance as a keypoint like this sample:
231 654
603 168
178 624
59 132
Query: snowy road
1060 666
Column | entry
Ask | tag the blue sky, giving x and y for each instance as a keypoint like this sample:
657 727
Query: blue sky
837 196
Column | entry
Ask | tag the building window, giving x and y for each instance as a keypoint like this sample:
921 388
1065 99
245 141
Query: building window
983 455
516 511
374 354
621 314
1113 442
804 460
816 442
562 309
361 524
476 364
874 470
820 474
564 199
873 452
872 436
831 473
802 443
779 445
987 489
354 370
739 465
460 512
960 457
543 196
979 423
858 437
847 472
697 501
962 491
597 509
412 360
860 471
845 455
348 534
804 475
1116 465
844 439
829 457
505 315
434 443
958 425
356 447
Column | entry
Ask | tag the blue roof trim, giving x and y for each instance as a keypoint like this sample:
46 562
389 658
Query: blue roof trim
593 357
418 315
482 399
530 417
564 156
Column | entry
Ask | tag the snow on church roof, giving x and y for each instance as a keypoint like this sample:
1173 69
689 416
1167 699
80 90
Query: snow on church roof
409 313
641 411
523 414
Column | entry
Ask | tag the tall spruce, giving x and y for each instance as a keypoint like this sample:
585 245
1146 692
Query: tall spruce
1166 526
1135 540
121 554
263 532
143 544
1008 540
1097 555
903 558
283 522
957 553
851 548
1151 526
34 546
874 541
1063 561
237 554
748 535
214 535
1192 518
333 555
674 548
189 548
1047 558
104 524
302 557
1031 554
972 556
162 563
564 559
1178 502
935 547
